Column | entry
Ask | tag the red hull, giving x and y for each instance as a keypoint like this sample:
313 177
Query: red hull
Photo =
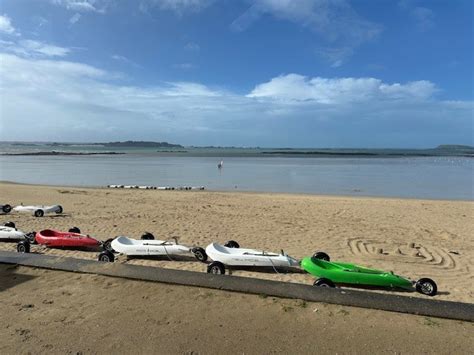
52 238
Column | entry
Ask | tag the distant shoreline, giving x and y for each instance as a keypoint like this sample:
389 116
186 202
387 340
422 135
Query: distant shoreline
257 154
168 149
54 153
362 154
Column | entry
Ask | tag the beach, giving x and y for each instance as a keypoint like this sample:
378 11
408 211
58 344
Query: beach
236 177
413 238
59 312
52 312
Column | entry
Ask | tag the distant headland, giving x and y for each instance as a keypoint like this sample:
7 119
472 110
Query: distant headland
130 146
62 153
125 144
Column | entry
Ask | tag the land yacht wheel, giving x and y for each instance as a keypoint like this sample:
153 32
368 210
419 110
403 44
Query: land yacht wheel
216 268
106 256
321 256
322 282
426 286
148 236
232 244
23 247
200 254
10 224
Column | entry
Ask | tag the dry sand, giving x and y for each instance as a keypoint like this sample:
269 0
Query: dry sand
57 312
52 312
414 238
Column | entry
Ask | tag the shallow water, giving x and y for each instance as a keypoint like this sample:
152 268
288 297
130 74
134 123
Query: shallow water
414 177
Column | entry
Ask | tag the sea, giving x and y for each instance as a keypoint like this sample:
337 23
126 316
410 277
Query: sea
348 172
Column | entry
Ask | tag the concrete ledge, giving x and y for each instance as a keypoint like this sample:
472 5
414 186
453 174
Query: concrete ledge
345 297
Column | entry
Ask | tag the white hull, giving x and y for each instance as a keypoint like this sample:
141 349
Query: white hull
146 187
32 209
11 233
137 247
248 257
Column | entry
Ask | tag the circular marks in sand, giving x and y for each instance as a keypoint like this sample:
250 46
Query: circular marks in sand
408 253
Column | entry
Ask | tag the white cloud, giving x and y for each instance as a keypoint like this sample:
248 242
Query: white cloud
294 88
53 70
190 46
41 48
62 100
6 25
189 89
75 18
337 63
178 6
80 98
335 22
120 58
76 5
423 16
31 48
421 89
125 60
335 55
82 5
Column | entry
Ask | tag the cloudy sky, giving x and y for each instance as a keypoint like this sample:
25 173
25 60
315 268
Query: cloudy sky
301 73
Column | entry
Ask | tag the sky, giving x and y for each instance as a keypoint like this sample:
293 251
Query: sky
268 73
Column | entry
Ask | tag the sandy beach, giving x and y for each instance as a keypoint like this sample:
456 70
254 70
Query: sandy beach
415 238
51 312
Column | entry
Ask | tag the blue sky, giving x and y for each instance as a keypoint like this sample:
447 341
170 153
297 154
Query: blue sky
302 73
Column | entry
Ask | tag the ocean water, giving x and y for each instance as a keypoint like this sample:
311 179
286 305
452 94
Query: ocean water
408 177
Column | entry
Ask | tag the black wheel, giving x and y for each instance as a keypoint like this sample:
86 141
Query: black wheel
426 286
106 256
324 283
30 237
23 247
74 230
6 208
39 213
216 268
200 254
232 244
148 236
60 209
107 245
10 224
321 256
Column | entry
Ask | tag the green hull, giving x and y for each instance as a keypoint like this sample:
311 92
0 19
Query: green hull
344 273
